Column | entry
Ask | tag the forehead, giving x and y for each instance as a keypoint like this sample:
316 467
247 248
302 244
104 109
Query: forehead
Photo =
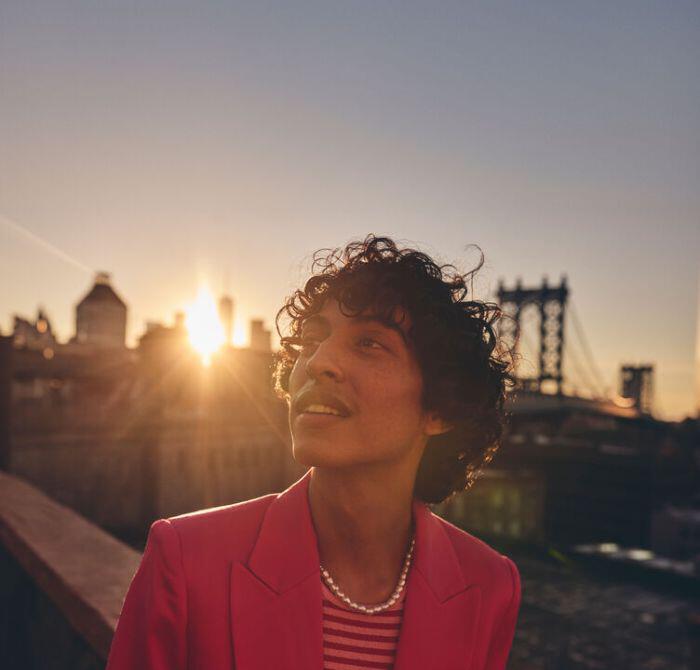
331 315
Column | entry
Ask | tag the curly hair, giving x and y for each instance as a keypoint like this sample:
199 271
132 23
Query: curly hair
465 367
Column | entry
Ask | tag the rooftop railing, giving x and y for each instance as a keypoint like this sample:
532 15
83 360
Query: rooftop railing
62 579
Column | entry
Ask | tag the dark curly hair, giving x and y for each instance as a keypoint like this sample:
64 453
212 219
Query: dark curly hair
466 369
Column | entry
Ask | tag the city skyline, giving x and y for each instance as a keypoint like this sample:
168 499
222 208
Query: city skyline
205 325
172 148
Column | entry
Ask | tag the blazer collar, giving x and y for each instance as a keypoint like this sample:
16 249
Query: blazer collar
286 551
276 608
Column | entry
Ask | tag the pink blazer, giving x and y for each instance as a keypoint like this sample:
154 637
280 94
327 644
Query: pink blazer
239 587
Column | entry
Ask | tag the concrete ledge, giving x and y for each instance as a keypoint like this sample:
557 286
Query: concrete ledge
81 568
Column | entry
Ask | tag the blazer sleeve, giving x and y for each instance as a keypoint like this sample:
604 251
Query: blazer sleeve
151 631
502 640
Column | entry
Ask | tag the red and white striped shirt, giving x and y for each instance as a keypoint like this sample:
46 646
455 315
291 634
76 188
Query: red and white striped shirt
356 641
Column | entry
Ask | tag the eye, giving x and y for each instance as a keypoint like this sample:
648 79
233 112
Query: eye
369 343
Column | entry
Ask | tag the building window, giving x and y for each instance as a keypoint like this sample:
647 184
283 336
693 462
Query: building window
515 528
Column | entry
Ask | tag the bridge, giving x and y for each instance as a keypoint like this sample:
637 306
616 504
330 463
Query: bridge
543 321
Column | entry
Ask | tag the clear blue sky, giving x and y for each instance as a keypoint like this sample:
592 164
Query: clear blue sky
170 142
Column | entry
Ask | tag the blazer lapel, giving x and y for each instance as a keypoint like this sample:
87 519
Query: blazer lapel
276 608
442 608
275 630
276 611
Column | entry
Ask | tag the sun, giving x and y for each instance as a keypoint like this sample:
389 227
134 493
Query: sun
204 328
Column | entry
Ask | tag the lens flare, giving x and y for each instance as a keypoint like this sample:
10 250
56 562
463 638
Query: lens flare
204 327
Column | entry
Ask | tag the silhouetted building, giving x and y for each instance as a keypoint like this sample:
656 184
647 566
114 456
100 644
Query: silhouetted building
163 346
100 317
37 336
502 503
604 468
226 316
259 337
129 435
636 383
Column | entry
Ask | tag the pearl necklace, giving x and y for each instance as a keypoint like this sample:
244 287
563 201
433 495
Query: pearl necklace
367 609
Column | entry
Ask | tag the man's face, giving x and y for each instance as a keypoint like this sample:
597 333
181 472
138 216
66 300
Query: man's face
355 392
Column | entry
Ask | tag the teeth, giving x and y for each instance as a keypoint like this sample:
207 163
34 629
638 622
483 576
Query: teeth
322 409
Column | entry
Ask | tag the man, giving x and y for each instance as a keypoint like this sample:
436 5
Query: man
395 384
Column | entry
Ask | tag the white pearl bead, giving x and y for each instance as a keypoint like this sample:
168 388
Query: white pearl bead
376 608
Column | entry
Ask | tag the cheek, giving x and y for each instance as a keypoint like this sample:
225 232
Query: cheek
392 419
399 398
296 378
409 400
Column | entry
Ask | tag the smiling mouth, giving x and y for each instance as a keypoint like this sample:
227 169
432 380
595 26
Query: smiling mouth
320 410
318 415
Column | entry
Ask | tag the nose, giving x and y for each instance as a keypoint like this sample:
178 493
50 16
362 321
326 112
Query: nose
324 362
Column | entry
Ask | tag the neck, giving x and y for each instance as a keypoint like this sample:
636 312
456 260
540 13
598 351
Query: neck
363 522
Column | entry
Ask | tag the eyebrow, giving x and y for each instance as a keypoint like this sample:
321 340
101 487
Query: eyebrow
317 319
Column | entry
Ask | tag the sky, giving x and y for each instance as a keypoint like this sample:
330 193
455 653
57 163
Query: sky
178 143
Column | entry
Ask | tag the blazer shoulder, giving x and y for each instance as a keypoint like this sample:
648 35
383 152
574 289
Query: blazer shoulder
228 532
478 559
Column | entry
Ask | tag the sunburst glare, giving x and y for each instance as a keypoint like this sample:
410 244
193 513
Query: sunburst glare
204 327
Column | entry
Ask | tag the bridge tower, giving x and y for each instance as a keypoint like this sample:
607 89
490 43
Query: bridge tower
551 303
636 383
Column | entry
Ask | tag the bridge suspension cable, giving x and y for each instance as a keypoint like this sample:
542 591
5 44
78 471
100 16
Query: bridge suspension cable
582 374
588 355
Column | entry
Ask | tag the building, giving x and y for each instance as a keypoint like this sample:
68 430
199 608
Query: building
636 383
37 335
604 468
507 505
259 337
226 317
100 317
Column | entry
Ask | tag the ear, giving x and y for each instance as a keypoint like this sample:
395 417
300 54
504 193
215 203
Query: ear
435 425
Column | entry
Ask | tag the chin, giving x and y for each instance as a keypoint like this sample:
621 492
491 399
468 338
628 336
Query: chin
319 453
311 455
